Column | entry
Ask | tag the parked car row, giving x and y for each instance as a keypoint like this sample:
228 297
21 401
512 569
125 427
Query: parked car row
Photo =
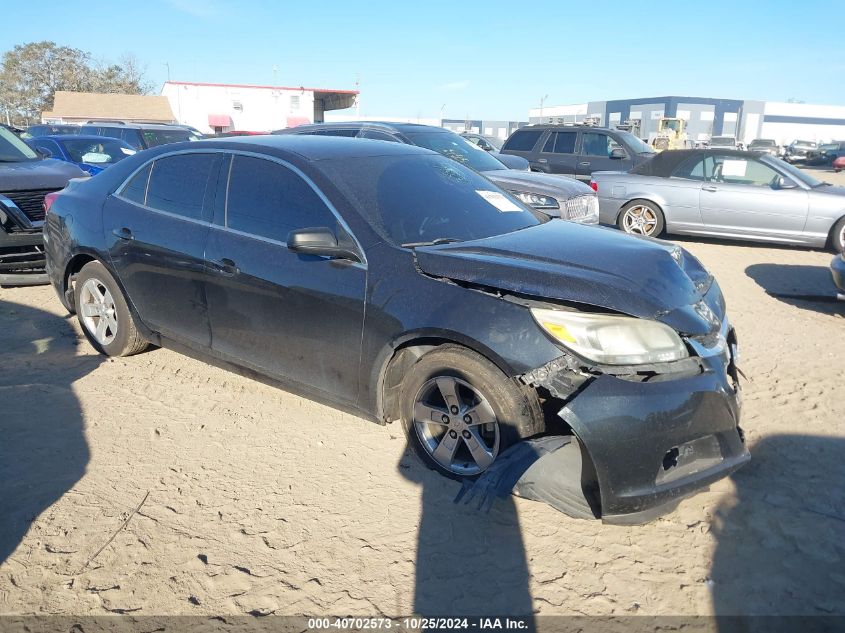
401 284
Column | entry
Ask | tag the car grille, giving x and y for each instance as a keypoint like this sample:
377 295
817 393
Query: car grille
31 202
582 209
22 260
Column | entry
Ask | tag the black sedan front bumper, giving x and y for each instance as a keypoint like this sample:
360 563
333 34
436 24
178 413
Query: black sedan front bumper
654 440
837 271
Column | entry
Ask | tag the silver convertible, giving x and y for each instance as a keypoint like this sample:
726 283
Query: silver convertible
726 194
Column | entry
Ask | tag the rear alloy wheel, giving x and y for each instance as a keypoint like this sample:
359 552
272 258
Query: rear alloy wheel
459 411
641 217
103 314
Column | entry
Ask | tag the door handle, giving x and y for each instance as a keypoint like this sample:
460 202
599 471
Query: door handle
584 164
123 233
709 188
542 160
225 267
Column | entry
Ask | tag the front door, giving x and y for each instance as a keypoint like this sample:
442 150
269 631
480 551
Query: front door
156 227
743 195
595 155
293 316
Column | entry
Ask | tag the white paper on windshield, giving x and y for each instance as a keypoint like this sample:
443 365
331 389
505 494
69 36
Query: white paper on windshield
734 168
498 200
128 151
95 157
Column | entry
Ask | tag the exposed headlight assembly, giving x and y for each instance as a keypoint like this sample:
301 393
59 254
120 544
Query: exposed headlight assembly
536 200
609 339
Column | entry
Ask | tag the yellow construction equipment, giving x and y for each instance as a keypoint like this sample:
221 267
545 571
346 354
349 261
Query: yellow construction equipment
671 134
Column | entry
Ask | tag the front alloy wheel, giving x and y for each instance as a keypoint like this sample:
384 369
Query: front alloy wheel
456 426
640 220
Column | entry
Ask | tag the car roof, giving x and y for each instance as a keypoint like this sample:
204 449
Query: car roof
135 126
666 162
312 148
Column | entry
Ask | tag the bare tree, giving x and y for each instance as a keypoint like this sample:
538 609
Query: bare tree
30 75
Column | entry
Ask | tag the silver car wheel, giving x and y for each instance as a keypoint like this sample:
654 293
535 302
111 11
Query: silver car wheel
456 425
640 219
97 311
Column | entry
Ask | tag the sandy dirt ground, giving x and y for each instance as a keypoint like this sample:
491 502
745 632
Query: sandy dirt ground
257 501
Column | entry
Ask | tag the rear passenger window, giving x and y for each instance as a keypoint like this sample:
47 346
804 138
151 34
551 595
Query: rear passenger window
523 140
136 189
561 143
270 200
178 184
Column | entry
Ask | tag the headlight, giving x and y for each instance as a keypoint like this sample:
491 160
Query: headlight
584 209
536 200
610 339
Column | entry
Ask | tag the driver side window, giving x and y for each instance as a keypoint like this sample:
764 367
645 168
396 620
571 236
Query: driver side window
743 171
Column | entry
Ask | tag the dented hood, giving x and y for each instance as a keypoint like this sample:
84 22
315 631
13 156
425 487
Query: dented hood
588 265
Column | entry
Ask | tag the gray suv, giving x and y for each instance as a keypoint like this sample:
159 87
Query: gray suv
577 150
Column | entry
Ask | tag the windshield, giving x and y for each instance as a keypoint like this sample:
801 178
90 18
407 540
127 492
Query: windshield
103 151
13 149
722 141
417 198
804 144
457 148
792 170
635 143
762 142
154 138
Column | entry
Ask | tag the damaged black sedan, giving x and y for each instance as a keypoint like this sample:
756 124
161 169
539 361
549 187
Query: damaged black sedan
397 284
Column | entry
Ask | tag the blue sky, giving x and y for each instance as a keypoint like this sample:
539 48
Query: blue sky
486 59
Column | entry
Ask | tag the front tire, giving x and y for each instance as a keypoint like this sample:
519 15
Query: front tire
102 311
641 217
459 411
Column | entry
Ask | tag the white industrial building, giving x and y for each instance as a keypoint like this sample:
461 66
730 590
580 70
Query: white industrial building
746 120
213 108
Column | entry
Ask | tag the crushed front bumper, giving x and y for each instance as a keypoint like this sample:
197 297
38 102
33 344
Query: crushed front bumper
22 259
653 441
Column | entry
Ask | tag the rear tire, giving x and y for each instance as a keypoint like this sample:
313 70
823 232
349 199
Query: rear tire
641 217
837 236
459 411
102 311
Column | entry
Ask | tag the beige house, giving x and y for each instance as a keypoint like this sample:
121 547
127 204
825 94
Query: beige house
81 107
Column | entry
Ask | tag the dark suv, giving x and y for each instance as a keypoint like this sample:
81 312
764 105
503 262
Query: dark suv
25 178
577 150
141 135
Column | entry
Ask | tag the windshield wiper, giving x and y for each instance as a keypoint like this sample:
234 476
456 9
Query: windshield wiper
435 242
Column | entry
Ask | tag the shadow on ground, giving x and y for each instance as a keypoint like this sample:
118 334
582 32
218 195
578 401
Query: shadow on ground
805 287
781 542
469 562
43 451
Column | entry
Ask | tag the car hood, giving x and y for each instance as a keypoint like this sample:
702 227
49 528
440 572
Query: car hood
37 174
594 266
561 187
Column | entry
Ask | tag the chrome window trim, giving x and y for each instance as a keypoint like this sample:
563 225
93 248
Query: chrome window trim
233 152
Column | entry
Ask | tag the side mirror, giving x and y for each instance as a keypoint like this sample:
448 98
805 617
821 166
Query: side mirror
319 241
784 183
618 153
42 153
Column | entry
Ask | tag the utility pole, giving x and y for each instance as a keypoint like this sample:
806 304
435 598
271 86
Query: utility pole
358 96
167 65
275 70
442 108
542 100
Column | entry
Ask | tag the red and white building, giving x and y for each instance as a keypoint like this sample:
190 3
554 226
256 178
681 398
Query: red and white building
228 107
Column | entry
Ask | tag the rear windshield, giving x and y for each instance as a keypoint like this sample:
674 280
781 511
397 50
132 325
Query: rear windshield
414 198
154 138
762 142
103 151
722 141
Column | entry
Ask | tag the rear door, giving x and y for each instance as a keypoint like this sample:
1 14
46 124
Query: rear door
594 154
558 152
523 143
293 316
741 195
156 226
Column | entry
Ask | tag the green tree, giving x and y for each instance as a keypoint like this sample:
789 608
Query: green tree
30 74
